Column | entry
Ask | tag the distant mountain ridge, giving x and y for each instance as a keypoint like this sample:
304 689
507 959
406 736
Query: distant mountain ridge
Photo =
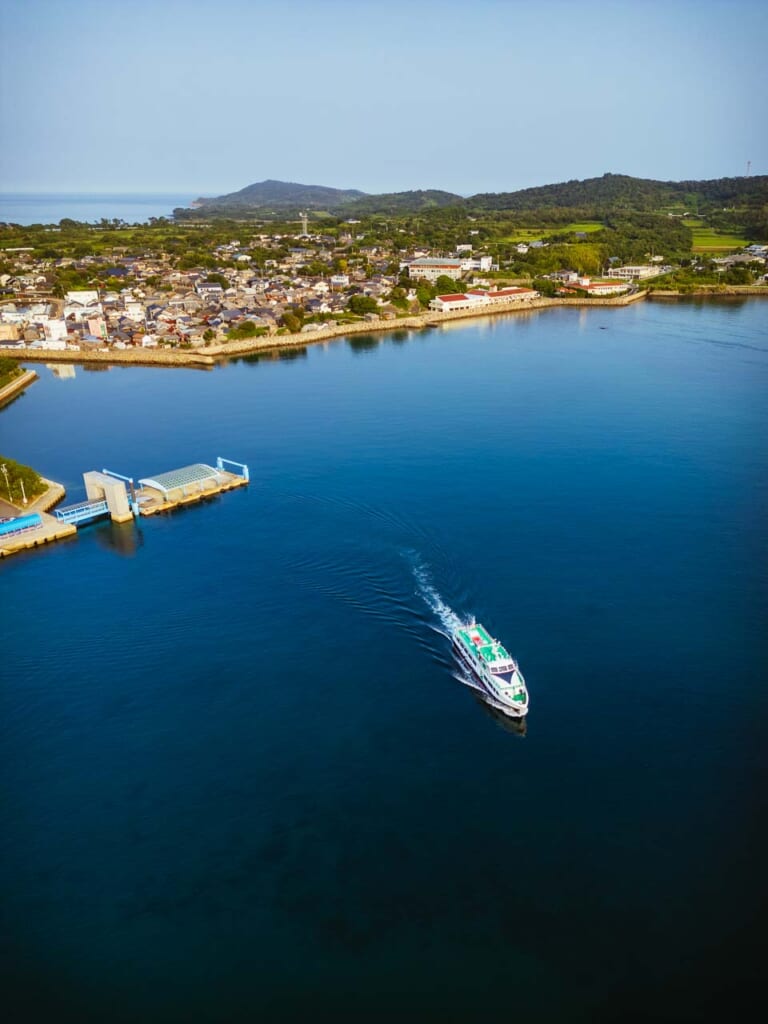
609 192
284 194
615 190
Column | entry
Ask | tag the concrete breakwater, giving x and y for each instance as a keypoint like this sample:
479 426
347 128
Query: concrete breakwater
213 353
131 357
16 386
711 291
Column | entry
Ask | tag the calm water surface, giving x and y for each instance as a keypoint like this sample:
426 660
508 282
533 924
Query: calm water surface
51 207
241 780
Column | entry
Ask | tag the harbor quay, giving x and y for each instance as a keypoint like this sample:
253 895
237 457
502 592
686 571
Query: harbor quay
118 497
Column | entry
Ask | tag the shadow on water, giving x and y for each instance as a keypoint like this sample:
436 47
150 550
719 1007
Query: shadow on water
515 726
123 538
273 355
360 343
398 337
6 402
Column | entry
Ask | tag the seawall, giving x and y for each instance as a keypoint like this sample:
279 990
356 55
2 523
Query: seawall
414 322
16 386
211 354
712 291
117 357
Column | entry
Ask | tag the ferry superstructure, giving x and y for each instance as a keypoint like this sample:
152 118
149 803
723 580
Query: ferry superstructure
493 667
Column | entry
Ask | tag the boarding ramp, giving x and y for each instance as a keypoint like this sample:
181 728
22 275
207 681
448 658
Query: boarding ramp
82 512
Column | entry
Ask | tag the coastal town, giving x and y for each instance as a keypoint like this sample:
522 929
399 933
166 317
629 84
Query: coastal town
270 285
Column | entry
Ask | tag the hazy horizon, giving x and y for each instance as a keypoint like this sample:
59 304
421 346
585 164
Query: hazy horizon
213 193
180 97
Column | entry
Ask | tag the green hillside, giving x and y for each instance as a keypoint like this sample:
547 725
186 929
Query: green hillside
280 195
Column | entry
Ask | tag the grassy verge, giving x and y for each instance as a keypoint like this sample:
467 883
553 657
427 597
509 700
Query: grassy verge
9 370
18 481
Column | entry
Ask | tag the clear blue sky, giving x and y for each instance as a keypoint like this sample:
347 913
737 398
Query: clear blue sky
165 95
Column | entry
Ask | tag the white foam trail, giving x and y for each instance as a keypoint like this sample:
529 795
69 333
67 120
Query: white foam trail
448 618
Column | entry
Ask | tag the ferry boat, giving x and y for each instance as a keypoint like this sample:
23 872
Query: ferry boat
492 666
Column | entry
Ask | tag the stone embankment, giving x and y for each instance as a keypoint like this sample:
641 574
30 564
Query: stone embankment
211 354
415 322
711 291
113 357
16 386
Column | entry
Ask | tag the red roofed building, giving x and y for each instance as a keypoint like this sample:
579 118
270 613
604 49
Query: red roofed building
476 298
449 303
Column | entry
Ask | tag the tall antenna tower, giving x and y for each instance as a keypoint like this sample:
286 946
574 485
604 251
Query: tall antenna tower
749 167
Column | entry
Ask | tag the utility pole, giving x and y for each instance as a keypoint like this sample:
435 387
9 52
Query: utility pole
4 469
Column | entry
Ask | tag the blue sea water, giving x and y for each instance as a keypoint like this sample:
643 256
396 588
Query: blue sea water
90 207
241 780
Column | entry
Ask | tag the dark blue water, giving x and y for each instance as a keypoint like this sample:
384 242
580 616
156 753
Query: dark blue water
90 207
240 779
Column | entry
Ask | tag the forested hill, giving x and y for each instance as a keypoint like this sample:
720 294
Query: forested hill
615 191
269 196
726 202
281 195
407 202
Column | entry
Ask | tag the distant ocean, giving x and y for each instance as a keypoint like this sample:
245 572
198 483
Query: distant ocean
51 207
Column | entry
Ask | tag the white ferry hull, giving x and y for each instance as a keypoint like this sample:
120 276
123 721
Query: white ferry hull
512 708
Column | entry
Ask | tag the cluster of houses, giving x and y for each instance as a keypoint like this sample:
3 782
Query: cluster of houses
167 306
162 304
749 255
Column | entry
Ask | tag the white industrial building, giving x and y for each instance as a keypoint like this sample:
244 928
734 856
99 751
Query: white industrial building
588 287
477 298
430 268
638 273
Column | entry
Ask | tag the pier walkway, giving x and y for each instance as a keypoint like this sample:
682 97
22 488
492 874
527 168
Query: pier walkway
82 512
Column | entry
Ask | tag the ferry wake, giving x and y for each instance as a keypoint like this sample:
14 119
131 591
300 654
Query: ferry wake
492 671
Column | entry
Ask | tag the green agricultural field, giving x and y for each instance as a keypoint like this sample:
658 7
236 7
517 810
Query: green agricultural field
533 234
707 239
584 225
522 235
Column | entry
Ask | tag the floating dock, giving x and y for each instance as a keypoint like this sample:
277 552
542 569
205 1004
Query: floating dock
187 485
113 495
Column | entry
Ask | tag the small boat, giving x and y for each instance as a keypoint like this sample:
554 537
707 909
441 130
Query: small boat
493 667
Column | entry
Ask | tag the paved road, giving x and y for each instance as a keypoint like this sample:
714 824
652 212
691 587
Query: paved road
6 509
